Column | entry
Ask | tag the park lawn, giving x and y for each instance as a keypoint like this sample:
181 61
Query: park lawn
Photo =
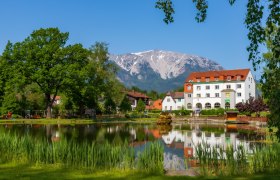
76 121
26 171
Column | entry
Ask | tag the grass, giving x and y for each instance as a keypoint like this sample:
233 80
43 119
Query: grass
70 153
76 121
56 171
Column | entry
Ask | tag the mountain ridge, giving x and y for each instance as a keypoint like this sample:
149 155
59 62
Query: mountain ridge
158 69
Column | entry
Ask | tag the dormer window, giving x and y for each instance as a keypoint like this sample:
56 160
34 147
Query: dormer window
207 79
197 79
216 78
228 78
189 87
238 78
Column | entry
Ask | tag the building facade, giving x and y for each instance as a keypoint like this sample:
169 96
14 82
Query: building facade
173 101
134 97
218 89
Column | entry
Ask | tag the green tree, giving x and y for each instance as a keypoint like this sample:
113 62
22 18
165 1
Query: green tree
262 30
140 106
125 105
45 59
110 106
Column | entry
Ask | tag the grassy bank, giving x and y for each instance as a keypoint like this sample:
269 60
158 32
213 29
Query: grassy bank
56 171
76 121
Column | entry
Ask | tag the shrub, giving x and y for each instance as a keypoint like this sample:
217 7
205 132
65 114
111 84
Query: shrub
216 112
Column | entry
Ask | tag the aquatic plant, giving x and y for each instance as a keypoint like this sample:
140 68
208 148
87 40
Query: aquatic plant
79 154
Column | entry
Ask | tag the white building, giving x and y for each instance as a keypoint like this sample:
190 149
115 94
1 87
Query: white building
173 101
215 89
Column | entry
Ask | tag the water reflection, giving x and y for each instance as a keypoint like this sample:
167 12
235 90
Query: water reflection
179 140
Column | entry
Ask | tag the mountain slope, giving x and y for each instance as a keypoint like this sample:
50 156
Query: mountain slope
159 70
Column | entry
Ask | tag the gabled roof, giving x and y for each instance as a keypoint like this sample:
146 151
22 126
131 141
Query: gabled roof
136 94
221 73
176 95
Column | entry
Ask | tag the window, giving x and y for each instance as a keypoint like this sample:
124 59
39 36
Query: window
217 95
249 94
165 107
198 95
179 100
217 87
238 94
189 87
238 85
189 95
170 108
207 94
189 106
207 106
168 99
207 87
249 85
228 86
216 78
238 78
199 105
217 105
198 88
197 79
228 78
207 79
179 107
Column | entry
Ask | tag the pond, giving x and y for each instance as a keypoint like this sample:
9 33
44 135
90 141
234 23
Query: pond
179 140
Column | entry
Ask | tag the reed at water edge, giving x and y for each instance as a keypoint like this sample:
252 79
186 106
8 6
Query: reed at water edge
75 154
218 161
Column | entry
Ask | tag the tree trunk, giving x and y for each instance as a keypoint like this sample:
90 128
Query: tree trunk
49 111
49 105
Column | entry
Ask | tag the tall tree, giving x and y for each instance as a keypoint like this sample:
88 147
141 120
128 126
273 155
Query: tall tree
45 59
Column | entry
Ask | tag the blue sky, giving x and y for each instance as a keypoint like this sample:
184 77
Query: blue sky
134 25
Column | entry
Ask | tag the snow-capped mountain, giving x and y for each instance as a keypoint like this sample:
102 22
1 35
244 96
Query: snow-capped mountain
159 70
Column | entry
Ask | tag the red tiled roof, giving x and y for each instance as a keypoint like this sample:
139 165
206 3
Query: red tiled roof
222 75
136 94
176 95
157 104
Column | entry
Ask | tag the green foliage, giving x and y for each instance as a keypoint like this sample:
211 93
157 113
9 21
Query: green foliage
153 153
125 105
141 106
217 112
110 106
43 58
182 112
75 154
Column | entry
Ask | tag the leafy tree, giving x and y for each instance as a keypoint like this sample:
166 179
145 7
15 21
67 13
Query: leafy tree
43 58
96 81
140 106
252 105
261 32
125 105
110 106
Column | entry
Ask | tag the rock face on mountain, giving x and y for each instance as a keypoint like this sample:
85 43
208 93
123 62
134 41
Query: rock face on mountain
159 70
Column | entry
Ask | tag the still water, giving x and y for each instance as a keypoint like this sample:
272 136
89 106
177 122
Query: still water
179 140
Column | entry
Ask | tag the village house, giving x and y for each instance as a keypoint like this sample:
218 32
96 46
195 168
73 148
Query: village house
155 105
134 97
218 89
173 101
212 89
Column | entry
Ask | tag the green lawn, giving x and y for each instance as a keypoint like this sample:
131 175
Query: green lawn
25 171
75 121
